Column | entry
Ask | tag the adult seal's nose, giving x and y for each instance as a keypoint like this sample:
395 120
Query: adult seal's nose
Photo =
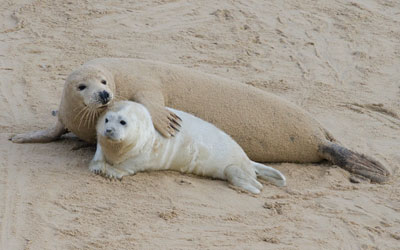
104 97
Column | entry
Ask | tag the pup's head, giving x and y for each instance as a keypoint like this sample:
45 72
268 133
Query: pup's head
125 121
115 126
90 86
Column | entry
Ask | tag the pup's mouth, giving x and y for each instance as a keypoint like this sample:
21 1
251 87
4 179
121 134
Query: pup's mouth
110 134
111 138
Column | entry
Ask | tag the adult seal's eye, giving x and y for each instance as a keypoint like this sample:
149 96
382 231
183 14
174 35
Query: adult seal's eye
104 82
82 87
123 122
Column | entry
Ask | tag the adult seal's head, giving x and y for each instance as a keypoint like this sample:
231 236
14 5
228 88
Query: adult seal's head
87 92
90 86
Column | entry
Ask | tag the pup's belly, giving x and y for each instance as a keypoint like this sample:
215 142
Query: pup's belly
201 148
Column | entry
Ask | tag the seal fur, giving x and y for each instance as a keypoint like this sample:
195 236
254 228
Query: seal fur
267 127
128 143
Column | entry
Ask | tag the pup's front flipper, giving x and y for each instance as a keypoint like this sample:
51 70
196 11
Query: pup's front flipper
97 167
114 173
41 136
106 170
98 164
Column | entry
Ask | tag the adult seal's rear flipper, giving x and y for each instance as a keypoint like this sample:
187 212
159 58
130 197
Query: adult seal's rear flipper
354 162
41 136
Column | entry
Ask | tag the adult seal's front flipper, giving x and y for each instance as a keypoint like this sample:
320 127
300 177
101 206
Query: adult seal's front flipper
41 136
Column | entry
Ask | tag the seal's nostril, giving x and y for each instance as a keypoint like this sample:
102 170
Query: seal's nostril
104 97
108 131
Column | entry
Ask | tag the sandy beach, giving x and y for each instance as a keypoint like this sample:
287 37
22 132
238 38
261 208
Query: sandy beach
339 60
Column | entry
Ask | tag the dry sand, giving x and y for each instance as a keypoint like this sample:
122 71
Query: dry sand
337 59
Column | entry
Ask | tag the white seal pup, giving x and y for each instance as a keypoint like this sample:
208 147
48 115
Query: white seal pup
127 143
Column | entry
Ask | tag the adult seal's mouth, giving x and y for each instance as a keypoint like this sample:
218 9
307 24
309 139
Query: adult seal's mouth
103 106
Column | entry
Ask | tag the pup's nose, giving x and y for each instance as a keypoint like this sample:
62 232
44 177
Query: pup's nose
109 130
104 97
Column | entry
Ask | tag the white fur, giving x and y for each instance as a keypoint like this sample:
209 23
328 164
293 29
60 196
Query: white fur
199 148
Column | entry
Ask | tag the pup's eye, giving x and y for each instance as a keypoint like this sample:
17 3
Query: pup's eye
82 87
104 82
106 120
122 122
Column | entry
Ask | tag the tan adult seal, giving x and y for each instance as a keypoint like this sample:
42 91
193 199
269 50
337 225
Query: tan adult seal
268 128
127 143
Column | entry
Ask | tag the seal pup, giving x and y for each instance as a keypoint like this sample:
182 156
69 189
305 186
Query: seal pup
127 143
268 128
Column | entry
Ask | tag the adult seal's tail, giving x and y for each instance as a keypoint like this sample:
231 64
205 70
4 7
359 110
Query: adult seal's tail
354 162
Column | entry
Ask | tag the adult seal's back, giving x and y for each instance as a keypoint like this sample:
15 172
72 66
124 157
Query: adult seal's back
268 128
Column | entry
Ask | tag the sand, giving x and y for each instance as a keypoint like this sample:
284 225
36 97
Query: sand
337 59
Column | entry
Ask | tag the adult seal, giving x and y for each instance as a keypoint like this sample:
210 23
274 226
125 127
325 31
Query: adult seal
268 128
127 143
